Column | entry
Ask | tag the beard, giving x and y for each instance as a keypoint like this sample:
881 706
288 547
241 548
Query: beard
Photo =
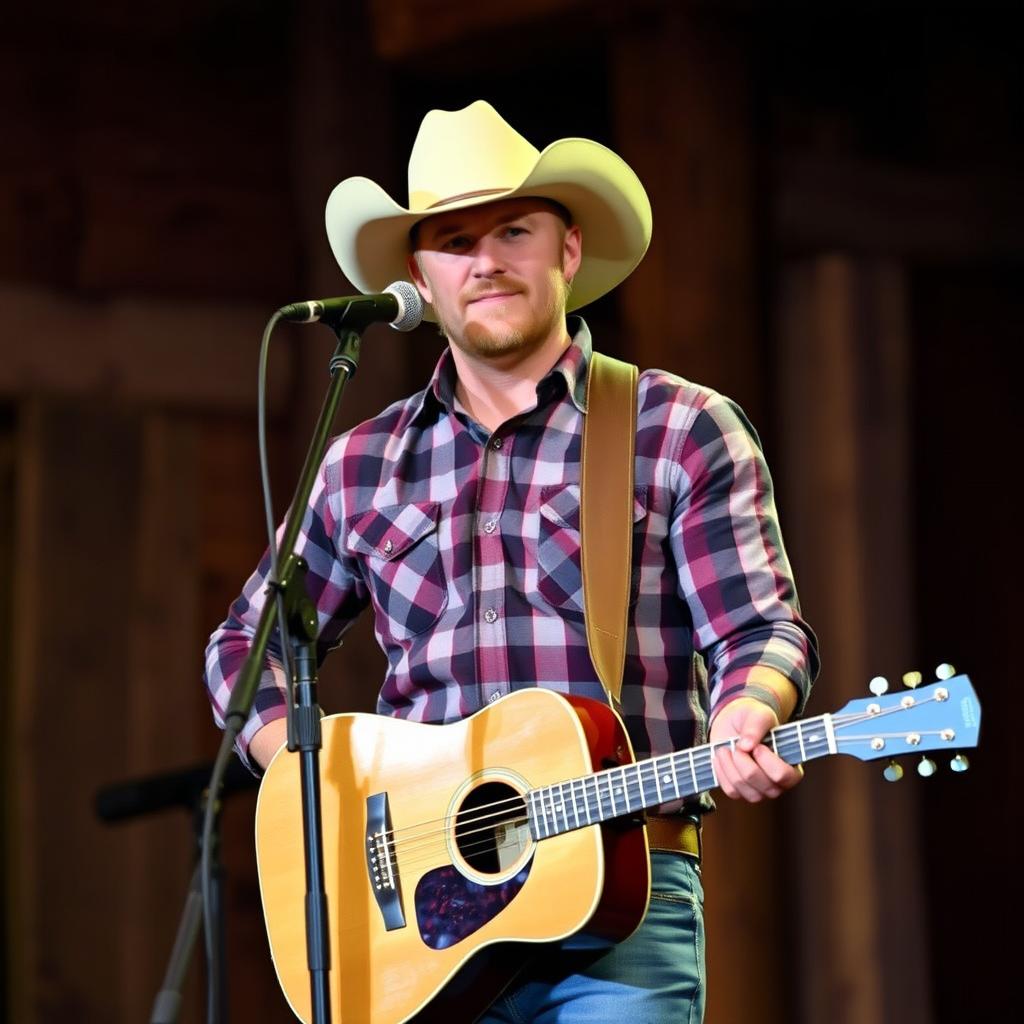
493 339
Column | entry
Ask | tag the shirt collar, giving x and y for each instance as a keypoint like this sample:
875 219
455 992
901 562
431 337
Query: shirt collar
572 366
574 362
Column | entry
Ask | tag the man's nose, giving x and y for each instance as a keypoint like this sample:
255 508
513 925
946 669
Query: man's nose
486 258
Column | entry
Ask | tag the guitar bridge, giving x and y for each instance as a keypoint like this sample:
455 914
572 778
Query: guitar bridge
381 863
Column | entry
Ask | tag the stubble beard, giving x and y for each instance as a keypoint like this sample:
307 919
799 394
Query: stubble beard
490 342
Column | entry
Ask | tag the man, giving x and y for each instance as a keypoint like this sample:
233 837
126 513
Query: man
455 514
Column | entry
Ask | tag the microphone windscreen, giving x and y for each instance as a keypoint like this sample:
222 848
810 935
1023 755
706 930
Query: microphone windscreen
410 305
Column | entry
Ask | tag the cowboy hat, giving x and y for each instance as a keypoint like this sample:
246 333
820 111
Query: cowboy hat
473 156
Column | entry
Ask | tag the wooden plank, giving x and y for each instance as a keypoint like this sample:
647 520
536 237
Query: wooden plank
71 684
161 706
844 350
23 873
105 688
682 120
691 306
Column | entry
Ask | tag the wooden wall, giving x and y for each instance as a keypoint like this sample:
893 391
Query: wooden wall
824 229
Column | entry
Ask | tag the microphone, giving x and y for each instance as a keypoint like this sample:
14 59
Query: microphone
399 305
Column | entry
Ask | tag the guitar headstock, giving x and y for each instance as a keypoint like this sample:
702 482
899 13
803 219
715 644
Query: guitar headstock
944 716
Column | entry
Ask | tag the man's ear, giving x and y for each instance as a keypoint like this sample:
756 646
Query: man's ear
572 251
417 277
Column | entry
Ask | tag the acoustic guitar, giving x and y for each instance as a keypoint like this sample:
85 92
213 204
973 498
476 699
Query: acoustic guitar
451 850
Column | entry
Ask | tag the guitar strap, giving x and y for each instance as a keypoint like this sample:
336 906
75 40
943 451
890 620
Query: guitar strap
606 514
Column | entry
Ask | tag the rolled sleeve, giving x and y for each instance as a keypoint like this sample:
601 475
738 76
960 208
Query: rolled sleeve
733 572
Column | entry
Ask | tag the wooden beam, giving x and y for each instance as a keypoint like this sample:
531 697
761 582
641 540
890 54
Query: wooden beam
138 351
823 202
402 28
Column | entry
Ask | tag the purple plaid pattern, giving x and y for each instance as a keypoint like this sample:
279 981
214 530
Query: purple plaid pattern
468 548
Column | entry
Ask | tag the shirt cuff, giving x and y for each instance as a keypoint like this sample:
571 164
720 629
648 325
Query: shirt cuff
268 706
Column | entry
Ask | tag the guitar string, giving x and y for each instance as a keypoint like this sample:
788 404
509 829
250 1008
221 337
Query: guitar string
698 752
409 852
704 754
412 852
436 844
435 848
791 742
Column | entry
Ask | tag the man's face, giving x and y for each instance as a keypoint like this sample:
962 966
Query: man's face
496 274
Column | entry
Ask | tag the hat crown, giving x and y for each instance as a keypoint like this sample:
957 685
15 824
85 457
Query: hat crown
468 152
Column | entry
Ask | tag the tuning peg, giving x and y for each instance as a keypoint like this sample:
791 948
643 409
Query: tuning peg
960 763
879 685
893 772
926 767
945 671
912 679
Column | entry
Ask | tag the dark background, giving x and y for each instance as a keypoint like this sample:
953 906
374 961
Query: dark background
837 245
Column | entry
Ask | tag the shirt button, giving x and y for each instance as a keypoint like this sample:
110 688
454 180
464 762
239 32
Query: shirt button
388 547
493 697
496 444
490 615
491 526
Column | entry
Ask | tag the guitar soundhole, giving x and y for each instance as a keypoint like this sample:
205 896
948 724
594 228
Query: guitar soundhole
491 828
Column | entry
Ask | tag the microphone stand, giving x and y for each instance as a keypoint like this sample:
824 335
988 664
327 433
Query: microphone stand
167 1004
304 725
186 788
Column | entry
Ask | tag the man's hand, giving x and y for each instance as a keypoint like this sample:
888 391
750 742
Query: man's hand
751 771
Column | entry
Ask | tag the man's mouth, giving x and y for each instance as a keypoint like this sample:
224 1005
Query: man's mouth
491 297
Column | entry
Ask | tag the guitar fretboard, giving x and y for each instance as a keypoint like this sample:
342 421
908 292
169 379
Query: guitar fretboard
621 791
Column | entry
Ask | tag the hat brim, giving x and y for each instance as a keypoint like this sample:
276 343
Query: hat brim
369 232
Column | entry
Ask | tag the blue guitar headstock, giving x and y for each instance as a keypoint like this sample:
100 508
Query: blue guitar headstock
944 716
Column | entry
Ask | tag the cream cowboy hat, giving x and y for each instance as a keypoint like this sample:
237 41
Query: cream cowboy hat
472 156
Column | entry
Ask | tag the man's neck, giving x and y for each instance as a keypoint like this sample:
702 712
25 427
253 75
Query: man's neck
494 390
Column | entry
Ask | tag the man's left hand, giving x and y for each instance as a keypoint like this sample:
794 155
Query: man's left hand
750 770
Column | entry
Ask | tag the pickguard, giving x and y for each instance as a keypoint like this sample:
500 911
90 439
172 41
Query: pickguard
450 906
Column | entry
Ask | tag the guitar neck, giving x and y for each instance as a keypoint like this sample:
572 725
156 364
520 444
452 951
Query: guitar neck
628 789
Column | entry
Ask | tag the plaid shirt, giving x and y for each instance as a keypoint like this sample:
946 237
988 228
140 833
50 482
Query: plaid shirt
467 546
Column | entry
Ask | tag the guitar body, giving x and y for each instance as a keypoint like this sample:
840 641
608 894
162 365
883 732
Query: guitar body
435 816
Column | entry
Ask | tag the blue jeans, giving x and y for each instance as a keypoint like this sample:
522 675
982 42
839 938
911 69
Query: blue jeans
655 977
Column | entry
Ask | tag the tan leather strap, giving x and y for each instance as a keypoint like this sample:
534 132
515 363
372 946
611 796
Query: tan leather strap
606 513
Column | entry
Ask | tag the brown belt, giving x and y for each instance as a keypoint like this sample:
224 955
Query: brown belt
671 832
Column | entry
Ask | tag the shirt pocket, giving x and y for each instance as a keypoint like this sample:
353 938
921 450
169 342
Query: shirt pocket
398 546
559 566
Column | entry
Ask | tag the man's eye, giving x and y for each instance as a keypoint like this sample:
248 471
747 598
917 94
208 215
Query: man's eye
513 232
457 242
